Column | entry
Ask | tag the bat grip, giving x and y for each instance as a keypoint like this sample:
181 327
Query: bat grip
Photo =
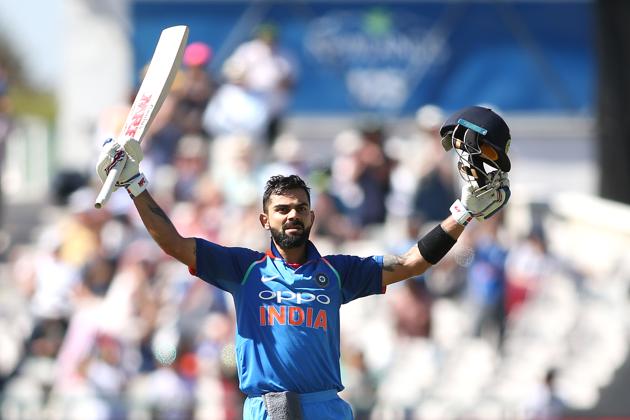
109 184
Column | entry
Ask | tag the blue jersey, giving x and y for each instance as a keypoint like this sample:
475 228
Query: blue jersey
287 316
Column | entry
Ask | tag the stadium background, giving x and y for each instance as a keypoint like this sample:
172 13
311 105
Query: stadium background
551 68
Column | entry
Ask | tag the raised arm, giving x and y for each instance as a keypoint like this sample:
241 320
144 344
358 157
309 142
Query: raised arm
164 232
412 263
432 247
155 220
482 140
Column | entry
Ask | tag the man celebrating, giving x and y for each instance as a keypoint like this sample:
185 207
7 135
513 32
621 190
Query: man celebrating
287 300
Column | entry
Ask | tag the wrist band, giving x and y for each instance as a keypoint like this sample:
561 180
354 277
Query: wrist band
460 213
435 245
136 185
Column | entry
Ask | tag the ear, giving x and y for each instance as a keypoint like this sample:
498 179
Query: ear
312 217
264 221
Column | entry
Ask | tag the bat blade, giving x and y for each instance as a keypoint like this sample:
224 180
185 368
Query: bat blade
154 89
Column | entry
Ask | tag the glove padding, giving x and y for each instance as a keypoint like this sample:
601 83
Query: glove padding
130 176
482 203
133 149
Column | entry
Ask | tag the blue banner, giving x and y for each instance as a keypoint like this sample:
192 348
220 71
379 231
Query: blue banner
392 57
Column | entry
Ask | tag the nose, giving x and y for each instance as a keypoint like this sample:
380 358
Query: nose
292 214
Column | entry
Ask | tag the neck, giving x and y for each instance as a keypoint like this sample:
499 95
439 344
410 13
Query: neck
293 255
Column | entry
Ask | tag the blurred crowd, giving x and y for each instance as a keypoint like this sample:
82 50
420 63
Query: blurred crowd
97 322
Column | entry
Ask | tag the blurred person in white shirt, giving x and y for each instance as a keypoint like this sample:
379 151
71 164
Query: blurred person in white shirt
54 279
267 71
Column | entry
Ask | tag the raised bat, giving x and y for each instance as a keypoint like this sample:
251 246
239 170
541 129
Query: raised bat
155 86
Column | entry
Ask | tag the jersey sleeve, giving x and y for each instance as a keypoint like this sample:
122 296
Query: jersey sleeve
223 266
359 276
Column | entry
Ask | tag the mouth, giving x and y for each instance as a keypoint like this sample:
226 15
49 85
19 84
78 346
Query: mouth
293 229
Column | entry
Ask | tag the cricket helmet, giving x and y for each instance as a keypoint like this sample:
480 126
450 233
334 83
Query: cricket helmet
481 139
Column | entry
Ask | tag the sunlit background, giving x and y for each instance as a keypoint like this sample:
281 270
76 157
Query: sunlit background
528 316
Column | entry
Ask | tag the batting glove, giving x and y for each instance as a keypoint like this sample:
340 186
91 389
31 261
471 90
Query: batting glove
130 176
482 203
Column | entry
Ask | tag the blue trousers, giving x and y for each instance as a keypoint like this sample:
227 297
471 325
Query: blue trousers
323 405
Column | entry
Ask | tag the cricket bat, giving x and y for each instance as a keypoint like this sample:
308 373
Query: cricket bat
155 86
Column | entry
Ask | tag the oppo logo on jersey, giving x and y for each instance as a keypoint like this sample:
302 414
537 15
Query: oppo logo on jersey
293 315
292 297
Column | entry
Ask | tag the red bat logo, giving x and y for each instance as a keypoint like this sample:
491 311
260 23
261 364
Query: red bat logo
138 116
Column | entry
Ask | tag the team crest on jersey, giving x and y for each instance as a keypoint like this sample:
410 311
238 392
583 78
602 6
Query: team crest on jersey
321 280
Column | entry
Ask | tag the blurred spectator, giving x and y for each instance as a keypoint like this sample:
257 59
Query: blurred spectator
190 162
361 174
527 264
344 173
436 187
197 87
64 183
48 285
287 157
97 275
81 229
360 384
235 110
53 280
203 215
411 305
104 373
217 367
266 71
373 175
235 161
331 222
486 282
169 390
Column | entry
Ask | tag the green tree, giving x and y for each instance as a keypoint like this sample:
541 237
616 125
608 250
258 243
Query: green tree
24 99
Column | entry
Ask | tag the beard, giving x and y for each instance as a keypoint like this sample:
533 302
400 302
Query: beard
285 241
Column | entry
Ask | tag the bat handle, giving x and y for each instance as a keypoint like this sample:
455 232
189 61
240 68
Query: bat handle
109 184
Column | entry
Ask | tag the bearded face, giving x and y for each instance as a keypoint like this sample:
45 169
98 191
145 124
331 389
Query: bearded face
289 218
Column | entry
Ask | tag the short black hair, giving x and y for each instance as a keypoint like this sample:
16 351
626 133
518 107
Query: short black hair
279 184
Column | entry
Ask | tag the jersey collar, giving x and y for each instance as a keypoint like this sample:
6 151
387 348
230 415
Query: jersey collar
311 253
